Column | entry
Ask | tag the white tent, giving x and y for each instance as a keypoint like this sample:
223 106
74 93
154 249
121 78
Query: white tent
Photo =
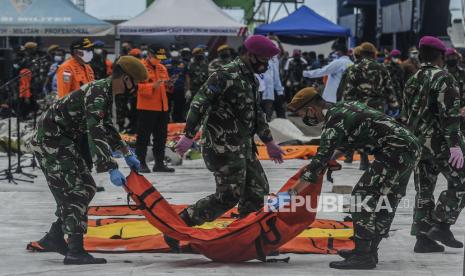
182 17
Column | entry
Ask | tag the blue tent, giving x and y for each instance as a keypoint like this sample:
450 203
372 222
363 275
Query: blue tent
304 27
48 18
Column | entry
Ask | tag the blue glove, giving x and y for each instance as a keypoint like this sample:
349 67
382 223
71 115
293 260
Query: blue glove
394 113
277 202
132 162
117 178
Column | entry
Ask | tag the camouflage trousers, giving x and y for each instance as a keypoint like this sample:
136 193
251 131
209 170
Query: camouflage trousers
69 180
240 179
451 201
381 188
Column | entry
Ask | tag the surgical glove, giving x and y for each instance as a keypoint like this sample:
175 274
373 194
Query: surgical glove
132 161
394 113
274 152
184 145
117 178
275 203
456 157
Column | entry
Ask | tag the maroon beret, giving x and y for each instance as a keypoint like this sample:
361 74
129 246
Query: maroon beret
432 42
261 46
395 53
450 52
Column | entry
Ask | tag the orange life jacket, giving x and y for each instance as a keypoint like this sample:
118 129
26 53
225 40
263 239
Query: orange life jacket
252 237
71 75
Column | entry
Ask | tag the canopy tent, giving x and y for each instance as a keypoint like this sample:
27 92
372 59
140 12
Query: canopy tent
182 17
304 27
48 18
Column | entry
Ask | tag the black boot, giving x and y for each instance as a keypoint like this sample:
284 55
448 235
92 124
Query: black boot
441 233
374 250
161 167
144 168
54 240
349 157
361 259
364 162
174 243
426 245
77 255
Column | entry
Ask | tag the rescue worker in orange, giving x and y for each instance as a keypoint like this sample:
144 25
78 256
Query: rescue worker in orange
76 71
153 114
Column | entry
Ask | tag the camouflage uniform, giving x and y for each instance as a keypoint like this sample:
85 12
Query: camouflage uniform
354 126
397 77
368 82
431 108
122 103
55 144
228 108
216 64
198 72
459 75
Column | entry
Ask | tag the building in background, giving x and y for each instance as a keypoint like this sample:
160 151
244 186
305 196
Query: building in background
394 23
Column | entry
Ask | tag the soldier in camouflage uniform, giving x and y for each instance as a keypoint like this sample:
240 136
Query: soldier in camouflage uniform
224 57
431 110
228 108
56 147
355 126
369 82
453 67
397 73
198 73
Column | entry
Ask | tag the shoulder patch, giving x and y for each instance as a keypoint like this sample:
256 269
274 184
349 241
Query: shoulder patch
67 76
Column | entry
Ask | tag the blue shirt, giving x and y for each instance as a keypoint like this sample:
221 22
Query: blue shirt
179 70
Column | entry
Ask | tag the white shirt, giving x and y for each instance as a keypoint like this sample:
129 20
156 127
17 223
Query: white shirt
270 80
334 71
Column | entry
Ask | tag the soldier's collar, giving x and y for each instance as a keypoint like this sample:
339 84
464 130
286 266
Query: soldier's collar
244 67
428 64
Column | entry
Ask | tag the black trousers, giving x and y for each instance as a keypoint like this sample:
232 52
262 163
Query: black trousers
155 124
133 114
178 105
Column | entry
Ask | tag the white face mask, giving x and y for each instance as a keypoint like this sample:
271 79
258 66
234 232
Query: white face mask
98 51
58 58
87 56
145 53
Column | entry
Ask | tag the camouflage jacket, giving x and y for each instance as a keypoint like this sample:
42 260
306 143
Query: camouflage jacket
355 126
228 108
216 64
87 110
369 82
397 77
431 108
459 75
198 73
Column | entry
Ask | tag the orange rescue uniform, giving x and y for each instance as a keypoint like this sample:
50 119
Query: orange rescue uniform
71 76
25 84
109 66
149 98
